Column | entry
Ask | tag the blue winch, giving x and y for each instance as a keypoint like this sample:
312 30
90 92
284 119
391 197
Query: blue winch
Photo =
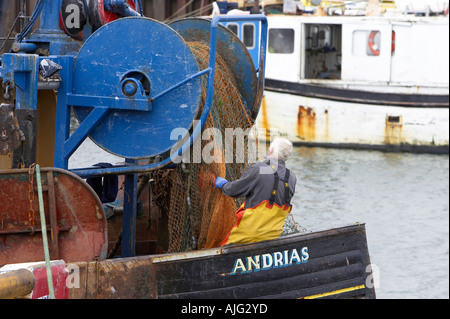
131 83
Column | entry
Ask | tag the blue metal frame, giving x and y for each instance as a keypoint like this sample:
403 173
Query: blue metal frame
131 169
21 70
124 169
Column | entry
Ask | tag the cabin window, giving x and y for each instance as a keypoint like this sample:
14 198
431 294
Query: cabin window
249 35
233 27
281 41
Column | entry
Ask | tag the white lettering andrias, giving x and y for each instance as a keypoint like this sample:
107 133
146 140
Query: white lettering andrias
269 261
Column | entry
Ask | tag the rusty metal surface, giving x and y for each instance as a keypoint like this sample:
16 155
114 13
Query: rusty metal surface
121 278
8 13
306 123
9 129
76 222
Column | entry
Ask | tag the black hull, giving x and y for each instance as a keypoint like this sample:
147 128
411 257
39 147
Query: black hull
333 263
336 268
355 96
386 148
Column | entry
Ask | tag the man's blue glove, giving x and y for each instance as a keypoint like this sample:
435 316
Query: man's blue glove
220 182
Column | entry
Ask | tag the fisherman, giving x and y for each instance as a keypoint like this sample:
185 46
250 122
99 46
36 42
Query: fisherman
268 188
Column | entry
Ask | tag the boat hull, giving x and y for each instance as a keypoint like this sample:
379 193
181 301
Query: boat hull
326 122
332 263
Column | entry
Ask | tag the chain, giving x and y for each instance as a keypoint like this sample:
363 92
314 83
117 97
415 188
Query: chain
31 214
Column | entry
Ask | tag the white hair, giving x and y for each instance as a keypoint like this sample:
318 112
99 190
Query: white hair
280 148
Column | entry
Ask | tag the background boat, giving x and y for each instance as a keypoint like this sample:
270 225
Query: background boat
363 75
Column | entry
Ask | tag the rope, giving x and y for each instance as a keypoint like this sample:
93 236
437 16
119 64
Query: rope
10 31
189 14
44 233
181 9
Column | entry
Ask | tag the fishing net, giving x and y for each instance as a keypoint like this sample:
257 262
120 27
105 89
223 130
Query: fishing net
200 216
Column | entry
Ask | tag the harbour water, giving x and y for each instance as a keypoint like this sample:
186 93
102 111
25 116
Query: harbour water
402 198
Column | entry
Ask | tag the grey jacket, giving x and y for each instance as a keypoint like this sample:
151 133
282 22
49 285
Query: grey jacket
257 182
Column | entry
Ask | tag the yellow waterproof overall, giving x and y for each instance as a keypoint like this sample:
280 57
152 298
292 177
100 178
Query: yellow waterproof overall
262 222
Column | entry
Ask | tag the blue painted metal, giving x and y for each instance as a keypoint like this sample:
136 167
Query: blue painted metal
263 31
49 36
62 132
24 47
175 86
49 19
130 87
190 78
86 127
21 71
119 102
124 169
129 94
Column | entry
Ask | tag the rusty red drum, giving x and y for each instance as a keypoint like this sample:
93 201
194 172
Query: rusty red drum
76 221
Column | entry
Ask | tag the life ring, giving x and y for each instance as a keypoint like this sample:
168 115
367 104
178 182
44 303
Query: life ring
371 43
393 42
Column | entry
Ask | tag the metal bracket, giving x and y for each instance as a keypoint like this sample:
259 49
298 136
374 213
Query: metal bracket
21 71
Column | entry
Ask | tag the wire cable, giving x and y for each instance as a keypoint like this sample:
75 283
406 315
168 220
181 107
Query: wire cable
179 10
189 14
141 8
36 12
9 33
